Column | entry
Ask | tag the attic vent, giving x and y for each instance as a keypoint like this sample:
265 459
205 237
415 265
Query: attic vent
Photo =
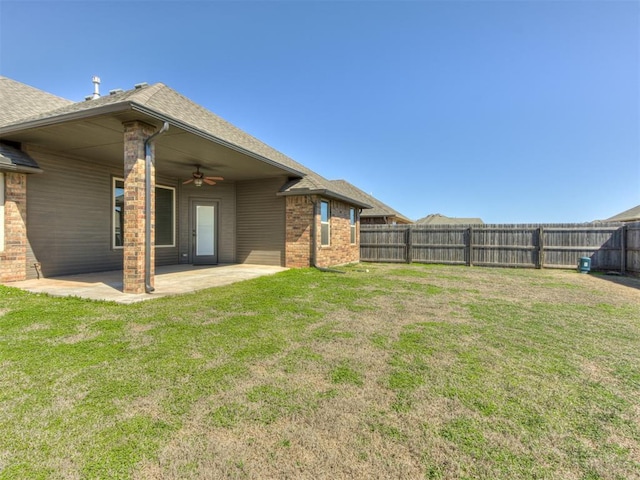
115 90
141 85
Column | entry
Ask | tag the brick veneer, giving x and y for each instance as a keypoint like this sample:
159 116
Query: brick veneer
13 260
300 216
135 133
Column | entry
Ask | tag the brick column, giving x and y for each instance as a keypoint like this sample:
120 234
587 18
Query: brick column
135 133
299 218
13 259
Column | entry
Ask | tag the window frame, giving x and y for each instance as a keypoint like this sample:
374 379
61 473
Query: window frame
353 222
113 220
325 223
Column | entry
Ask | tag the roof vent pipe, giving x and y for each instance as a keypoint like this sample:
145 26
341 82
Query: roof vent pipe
96 87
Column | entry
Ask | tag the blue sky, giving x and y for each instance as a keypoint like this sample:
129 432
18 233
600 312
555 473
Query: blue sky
512 111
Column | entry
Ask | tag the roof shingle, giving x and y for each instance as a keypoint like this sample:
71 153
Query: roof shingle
19 101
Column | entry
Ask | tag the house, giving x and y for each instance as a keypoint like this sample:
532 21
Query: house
631 215
146 177
437 219
379 213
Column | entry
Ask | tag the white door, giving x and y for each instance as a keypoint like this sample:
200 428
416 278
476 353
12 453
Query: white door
205 232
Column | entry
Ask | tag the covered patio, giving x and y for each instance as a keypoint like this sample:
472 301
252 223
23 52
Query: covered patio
169 280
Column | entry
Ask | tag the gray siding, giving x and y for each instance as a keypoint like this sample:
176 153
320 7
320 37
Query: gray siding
260 222
225 194
69 217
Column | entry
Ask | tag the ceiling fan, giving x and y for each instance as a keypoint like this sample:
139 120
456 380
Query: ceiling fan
199 178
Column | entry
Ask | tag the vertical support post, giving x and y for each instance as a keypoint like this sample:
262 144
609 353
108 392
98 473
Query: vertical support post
540 247
409 243
133 267
470 246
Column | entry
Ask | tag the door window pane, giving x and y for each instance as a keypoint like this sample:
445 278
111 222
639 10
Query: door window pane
205 228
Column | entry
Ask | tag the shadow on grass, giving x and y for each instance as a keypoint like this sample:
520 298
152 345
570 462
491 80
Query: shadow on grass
619 279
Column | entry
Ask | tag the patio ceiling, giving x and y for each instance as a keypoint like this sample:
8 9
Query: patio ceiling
101 139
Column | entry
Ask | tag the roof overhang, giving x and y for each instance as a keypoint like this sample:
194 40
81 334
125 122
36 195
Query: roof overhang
129 111
17 161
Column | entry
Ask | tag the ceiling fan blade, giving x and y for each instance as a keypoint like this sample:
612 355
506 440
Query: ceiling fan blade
208 182
187 181
215 178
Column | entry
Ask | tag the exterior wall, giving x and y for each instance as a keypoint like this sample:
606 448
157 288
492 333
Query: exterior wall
225 194
13 257
68 235
69 216
340 249
303 224
260 228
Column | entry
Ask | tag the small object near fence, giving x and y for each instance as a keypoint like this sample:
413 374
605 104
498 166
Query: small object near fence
584 265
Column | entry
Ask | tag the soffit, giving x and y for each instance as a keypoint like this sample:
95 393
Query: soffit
101 139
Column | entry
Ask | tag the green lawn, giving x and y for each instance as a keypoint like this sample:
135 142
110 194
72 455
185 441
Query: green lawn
385 371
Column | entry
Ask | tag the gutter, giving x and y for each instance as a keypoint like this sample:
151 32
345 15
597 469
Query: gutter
147 207
19 169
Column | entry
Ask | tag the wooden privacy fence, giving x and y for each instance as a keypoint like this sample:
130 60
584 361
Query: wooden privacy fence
609 246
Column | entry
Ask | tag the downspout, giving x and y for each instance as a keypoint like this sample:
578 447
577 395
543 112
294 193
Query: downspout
147 208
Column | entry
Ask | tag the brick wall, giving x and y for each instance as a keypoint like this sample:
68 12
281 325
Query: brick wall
340 250
299 248
13 260
299 216
135 133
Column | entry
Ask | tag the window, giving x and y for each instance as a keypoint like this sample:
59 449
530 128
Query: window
352 224
1 212
325 225
165 215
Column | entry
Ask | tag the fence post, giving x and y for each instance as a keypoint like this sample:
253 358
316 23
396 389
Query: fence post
540 247
409 243
623 249
470 246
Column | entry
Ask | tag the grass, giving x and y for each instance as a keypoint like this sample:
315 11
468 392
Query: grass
393 371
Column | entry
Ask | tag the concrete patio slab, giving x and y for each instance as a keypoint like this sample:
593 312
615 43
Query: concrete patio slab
169 280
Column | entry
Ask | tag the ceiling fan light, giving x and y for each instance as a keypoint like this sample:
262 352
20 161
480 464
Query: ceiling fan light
197 182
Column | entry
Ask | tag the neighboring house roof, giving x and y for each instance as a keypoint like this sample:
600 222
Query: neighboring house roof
631 215
20 101
379 209
164 103
14 160
437 219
